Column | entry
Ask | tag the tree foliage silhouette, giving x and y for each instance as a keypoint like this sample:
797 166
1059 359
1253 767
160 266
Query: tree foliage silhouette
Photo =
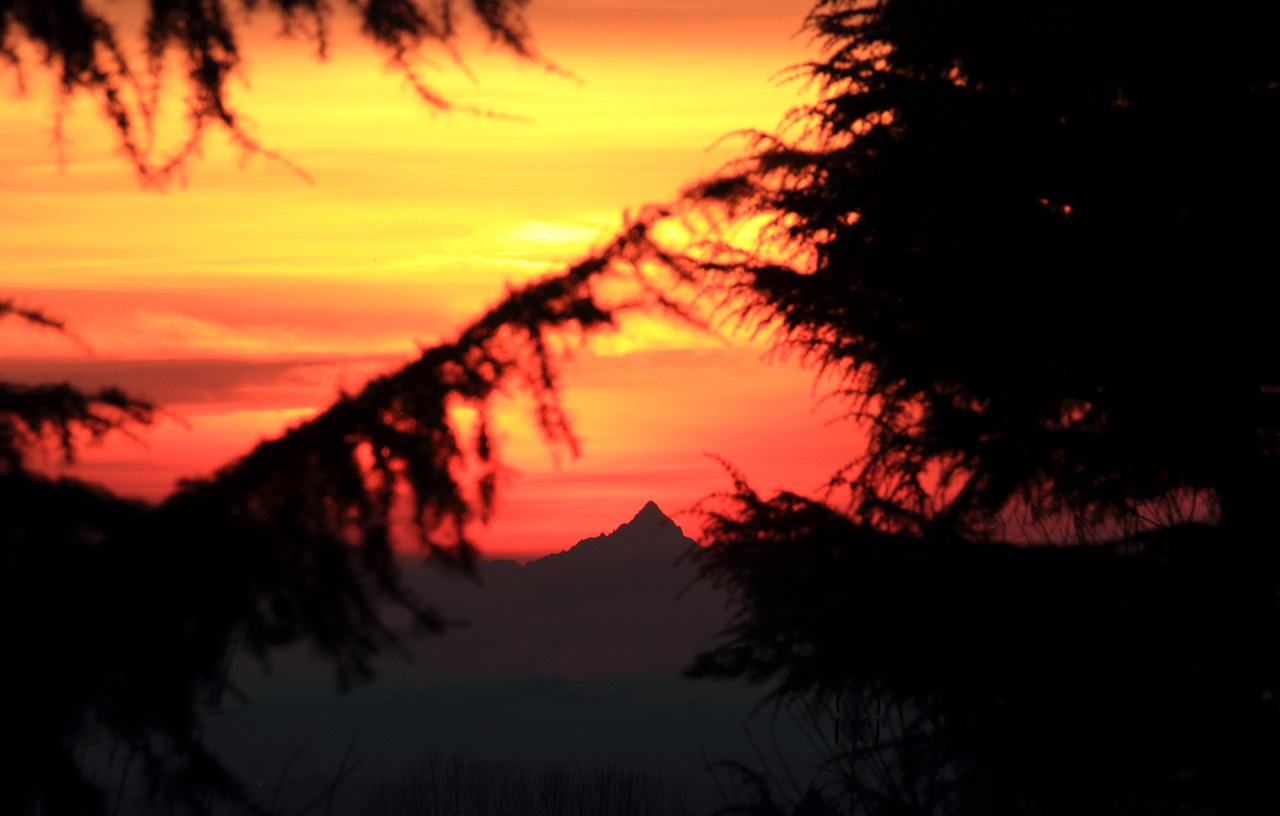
124 612
1034 239
89 53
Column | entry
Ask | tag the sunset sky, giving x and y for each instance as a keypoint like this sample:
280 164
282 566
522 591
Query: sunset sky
244 299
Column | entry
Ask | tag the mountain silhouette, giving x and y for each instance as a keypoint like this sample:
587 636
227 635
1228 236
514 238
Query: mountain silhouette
622 604
615 605
644 552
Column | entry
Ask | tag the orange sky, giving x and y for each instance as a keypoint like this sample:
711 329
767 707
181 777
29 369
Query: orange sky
245 299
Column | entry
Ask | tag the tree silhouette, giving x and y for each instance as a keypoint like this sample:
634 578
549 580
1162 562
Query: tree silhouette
88 53
1034 238
124 612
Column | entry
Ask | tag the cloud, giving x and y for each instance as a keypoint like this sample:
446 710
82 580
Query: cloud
232 317
149 333
220 384
644 333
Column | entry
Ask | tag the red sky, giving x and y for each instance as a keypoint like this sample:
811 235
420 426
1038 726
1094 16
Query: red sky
243 300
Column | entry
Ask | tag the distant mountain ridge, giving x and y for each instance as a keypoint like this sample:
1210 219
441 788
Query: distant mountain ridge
648 542
620 605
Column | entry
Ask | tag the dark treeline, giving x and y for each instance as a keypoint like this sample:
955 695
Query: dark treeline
456 785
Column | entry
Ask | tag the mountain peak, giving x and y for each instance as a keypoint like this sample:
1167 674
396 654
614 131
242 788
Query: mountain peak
650 536
650 514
